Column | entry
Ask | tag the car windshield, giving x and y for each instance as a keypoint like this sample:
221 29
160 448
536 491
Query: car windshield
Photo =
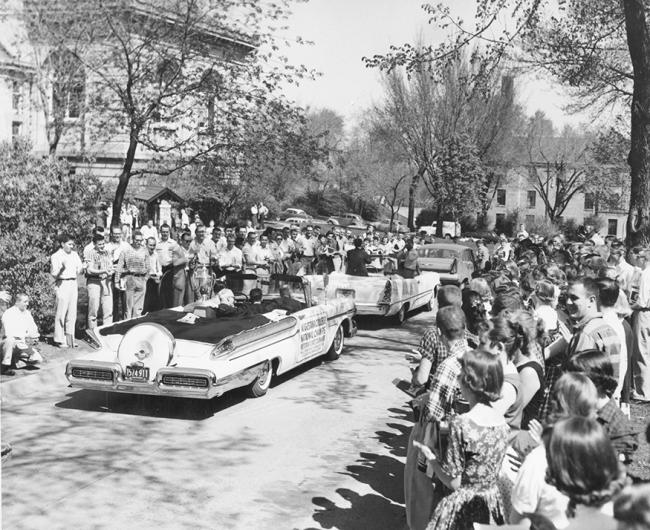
437 253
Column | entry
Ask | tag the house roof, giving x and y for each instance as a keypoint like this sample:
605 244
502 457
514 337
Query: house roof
154 192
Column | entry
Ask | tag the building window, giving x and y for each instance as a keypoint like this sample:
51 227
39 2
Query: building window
589 201
69 85
15 130
500 222
16 96
612 227
530 220
531 198
501 197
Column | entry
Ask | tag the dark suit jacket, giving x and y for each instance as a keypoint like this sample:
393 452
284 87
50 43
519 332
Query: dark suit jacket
357 260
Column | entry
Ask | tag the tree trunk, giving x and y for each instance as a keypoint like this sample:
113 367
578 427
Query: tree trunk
439 221
413 187
123 181
638 41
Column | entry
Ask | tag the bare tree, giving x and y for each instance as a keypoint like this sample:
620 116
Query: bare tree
600 48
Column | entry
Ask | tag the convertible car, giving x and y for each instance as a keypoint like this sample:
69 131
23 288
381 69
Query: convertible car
381 294
214 348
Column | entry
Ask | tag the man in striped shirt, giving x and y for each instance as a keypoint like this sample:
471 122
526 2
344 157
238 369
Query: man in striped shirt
99 269
133 268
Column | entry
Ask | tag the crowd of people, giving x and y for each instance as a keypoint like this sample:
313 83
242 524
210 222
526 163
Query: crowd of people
523 384
131 270
523 390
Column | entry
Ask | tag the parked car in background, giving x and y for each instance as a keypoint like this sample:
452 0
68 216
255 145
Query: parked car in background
489 236
450 229
384 226
454 263
348 219
294 212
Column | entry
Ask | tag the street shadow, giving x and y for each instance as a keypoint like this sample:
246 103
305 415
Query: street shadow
151 406
365 511
383 508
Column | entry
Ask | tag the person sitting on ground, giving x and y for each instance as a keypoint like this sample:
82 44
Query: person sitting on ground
19 336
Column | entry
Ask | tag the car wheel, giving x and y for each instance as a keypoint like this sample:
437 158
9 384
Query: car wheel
261 385
447 236
401 314
337 346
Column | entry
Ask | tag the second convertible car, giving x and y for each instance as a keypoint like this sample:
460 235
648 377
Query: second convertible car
213 349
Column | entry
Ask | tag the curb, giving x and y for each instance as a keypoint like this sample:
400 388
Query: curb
51 374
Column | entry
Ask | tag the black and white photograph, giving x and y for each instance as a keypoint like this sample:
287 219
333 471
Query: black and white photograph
325 264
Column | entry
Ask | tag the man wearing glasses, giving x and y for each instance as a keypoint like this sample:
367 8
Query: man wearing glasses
133 267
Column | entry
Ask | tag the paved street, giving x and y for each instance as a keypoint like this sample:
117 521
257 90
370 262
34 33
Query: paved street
324 449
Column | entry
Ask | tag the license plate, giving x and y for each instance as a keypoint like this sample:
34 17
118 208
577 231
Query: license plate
137 372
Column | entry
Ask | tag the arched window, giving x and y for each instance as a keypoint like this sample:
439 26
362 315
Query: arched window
211 83
68 84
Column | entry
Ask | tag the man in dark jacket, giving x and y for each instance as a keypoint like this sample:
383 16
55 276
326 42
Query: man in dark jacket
358 258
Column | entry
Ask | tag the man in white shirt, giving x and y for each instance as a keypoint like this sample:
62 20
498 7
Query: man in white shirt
307 247
164 248
20 335
608 295
149 230
641 321
231 258
218 239
151 297
624 271
65 266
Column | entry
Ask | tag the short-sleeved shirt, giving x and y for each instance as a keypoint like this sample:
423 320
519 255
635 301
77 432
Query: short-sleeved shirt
231 258
203 251
164 251
532 494
72 261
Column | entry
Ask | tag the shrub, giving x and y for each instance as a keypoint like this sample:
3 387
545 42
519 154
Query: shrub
39 201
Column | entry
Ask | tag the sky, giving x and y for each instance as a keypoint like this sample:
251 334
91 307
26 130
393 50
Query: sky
344 31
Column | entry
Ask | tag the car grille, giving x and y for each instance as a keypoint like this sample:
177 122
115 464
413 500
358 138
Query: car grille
185 381
92 373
